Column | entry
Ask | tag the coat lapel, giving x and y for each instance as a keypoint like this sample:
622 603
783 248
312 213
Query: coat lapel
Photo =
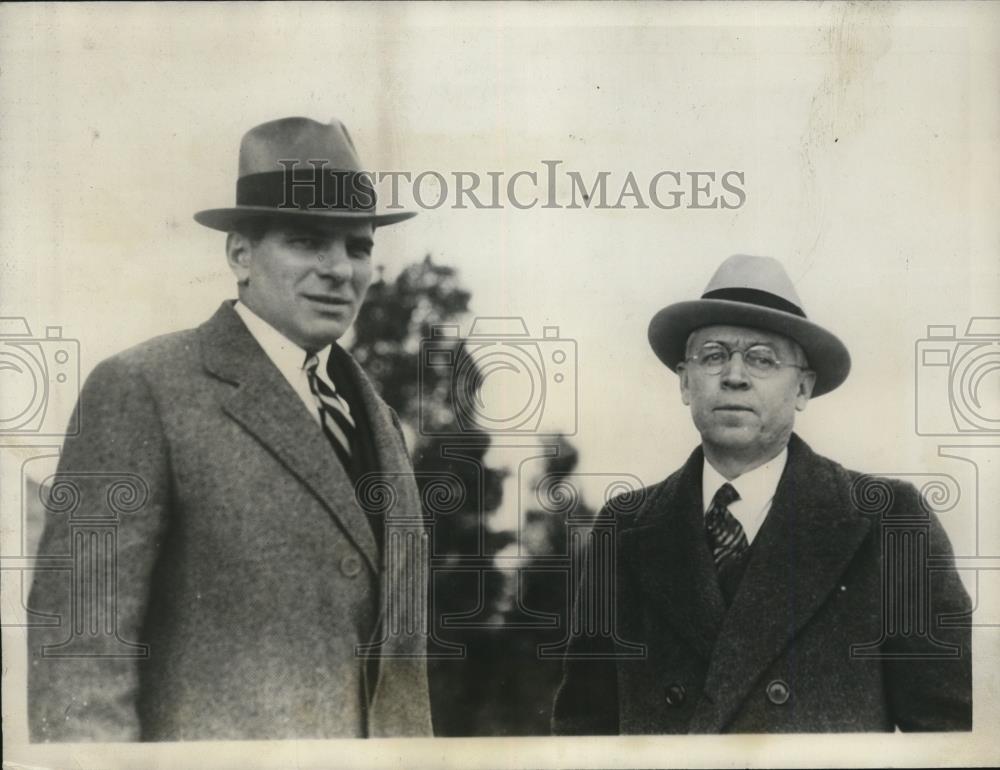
809 537
389 447
267 407
675 570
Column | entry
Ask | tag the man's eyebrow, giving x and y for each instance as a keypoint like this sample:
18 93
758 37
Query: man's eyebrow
752 343
361 240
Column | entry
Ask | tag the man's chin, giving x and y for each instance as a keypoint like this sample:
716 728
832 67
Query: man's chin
323 334
733 438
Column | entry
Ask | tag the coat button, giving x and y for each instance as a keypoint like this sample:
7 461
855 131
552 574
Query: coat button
350 565
675 695
778 692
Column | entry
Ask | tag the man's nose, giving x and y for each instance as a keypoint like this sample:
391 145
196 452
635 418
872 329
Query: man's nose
734 373
334 261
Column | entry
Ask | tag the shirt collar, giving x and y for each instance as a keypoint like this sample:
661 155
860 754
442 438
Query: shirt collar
285 354
756 489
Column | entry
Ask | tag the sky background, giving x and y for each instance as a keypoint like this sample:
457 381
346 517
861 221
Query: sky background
866 133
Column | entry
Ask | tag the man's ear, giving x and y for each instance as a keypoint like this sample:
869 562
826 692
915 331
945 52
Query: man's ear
238 254
685 393
807 381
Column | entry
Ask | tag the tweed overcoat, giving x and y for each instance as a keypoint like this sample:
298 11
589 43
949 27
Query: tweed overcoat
831 628
246 574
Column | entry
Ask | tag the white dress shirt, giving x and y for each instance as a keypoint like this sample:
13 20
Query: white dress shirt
287 356
756 489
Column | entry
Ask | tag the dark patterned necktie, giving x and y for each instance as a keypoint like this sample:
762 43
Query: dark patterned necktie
334 413
726 538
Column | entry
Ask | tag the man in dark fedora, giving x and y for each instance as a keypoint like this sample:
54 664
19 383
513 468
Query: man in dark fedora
767 588
247 587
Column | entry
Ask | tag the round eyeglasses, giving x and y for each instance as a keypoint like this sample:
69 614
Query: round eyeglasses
760 360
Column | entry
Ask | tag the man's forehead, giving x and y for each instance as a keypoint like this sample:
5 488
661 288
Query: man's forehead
739 335
323 229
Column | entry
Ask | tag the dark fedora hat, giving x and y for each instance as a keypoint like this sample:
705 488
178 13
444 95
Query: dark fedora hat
755 292
297 168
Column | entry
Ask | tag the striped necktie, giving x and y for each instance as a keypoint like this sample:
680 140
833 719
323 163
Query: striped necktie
334 413
726 537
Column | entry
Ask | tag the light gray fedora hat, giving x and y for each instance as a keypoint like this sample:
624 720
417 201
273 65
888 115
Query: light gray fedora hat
299 169
755 292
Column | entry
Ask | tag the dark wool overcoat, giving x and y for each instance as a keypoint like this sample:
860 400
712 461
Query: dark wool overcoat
850 616
243 564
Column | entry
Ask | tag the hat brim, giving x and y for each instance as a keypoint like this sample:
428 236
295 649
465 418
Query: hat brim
226 219
827 355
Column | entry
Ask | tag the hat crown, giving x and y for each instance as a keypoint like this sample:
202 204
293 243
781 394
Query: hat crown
298 139
766 274
305 171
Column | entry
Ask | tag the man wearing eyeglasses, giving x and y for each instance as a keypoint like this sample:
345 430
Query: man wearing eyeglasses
766 588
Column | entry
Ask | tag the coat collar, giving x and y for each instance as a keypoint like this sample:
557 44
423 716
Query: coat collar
266 406
808 539
667 548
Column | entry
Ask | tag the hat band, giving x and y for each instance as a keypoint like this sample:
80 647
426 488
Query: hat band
311 189
756 297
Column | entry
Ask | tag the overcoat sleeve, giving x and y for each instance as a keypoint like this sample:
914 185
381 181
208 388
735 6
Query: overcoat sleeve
105 519
929 687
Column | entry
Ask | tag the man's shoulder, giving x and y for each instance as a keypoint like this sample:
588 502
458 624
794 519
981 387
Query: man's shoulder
158 363
174 352
865 492
634 507
159 357
624 506
637 506
885 495
156 350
